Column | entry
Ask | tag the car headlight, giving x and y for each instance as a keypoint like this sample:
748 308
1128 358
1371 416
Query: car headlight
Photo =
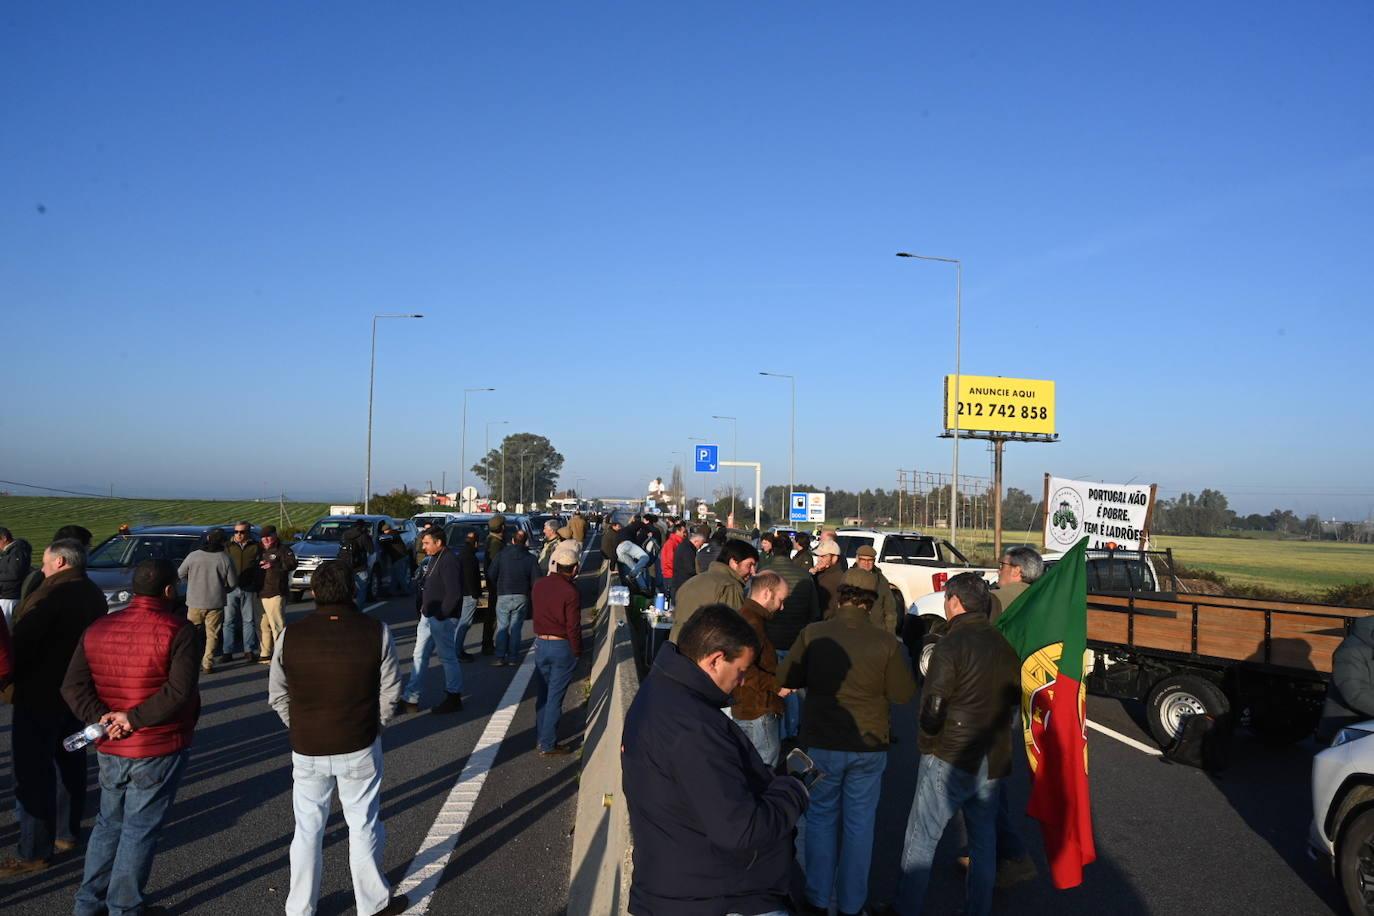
1347 735
119 596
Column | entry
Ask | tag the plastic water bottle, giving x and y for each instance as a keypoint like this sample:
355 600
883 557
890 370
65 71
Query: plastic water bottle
658 602
92 732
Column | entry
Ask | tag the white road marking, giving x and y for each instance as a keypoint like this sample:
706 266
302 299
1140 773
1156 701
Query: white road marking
1128 741
373 606
422 878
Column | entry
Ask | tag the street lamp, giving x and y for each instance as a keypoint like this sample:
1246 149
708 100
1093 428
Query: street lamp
463 470
958 330
577 486
522 475
371 384
734 456
486 448
792 451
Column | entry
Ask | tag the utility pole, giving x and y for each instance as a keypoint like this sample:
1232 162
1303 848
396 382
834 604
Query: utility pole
463 461
371 385
734 454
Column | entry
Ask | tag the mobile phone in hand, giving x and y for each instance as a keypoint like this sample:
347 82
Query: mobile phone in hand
803 767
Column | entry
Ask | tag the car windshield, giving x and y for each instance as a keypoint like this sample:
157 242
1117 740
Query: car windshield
124 551
907 550
456 532
329 530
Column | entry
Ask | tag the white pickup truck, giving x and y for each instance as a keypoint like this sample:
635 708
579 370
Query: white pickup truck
916 564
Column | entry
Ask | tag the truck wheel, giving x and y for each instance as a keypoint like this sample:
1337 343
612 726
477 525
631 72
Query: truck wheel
1355 862
932 628
1177 698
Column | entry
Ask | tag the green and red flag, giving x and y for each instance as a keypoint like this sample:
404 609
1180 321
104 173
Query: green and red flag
1047 625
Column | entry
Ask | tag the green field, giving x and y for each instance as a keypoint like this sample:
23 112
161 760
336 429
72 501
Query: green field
1300 567
35 518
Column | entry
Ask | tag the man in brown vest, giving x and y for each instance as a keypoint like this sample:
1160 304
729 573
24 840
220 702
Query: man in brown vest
335 683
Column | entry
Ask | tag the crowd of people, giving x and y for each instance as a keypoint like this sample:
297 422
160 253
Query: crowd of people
769 710
128 684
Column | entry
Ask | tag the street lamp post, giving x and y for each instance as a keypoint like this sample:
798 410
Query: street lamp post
463 469
522 475
792 449
958 331
486 449
734 456
371 385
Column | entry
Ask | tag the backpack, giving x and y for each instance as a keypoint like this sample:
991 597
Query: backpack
1203 744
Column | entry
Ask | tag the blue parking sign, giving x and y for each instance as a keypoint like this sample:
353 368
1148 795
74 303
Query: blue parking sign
708 459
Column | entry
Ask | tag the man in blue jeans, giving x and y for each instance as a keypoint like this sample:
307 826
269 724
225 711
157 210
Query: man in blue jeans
557 644
512 577
971 692
439 601
852 672
242 609
472 590
137 673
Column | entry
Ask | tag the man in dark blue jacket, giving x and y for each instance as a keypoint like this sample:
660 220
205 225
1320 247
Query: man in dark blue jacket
713 825
512 576
439 600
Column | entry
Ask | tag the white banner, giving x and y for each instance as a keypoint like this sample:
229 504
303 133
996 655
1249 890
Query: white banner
1108 513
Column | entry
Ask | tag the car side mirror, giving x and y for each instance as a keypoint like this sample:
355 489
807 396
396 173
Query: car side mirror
298 536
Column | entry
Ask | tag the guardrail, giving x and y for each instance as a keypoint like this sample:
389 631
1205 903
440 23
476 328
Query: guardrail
599 879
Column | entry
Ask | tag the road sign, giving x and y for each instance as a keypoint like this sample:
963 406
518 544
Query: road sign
807 507
469 493
1001 405
708 459
500 507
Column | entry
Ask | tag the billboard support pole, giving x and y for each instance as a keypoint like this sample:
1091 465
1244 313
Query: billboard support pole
997 497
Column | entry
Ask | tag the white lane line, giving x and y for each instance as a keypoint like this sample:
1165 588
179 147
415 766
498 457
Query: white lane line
422 878
1128 741
373 606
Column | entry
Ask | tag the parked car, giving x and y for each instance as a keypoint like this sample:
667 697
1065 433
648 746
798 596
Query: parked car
537 526
321 544
458 529
111 563
1342 830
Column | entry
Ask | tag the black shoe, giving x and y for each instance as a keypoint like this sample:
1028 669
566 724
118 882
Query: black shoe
452 702
557 750
399 904
403 707
465 656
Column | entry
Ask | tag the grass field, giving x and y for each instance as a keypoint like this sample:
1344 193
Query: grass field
1308 567
35 518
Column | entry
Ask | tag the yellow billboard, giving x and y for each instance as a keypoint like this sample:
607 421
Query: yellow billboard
993 404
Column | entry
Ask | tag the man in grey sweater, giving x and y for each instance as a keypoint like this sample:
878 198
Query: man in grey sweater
210 576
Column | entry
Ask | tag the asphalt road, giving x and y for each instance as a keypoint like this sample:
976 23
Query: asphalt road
1170 839
224 847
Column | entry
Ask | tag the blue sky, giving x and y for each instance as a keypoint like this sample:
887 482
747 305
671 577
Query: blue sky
617 214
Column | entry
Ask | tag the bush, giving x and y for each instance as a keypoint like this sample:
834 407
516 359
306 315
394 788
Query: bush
1354 594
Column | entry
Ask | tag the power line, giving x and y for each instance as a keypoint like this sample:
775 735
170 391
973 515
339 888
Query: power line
34 486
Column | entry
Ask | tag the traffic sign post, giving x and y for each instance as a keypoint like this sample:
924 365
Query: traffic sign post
807 507
708 459
797 508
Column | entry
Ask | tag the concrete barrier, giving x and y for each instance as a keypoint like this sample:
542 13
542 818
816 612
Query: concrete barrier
599 880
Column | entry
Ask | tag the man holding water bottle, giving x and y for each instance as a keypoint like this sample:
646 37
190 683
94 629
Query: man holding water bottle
137 674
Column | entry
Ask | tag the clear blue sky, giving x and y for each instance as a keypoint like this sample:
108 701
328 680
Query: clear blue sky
617 214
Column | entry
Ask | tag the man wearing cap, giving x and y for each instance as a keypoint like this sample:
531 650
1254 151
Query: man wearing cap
852 674
275 562
884 613
557 620
828 575
827 536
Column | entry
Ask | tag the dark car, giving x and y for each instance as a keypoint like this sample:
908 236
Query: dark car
537 527
322 542
456 530
111 563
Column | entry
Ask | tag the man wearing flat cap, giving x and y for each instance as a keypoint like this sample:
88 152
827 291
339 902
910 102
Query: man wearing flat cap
885 614
852 672
557 621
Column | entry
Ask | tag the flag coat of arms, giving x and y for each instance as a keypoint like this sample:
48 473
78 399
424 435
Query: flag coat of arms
1047 625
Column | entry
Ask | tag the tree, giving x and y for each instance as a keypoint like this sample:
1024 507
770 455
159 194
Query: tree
1021 511
675 485
542 465
399 503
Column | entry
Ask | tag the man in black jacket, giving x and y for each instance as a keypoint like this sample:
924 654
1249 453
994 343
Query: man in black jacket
16 561
472 590
685 559
51 623
713 825
439 599
972 686
512 576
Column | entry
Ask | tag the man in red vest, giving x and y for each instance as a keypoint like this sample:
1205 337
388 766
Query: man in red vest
137 672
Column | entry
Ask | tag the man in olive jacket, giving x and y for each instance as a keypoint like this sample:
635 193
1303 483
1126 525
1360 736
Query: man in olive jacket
852 674
972 687
886 614
722 583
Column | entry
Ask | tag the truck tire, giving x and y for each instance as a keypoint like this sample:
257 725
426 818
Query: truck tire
1355 860
932 628
1179 696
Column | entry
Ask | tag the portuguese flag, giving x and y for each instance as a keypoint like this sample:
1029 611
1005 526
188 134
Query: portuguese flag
1048 627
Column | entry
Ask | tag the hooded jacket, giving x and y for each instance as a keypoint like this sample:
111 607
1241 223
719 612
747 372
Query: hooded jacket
713 826
1350 695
